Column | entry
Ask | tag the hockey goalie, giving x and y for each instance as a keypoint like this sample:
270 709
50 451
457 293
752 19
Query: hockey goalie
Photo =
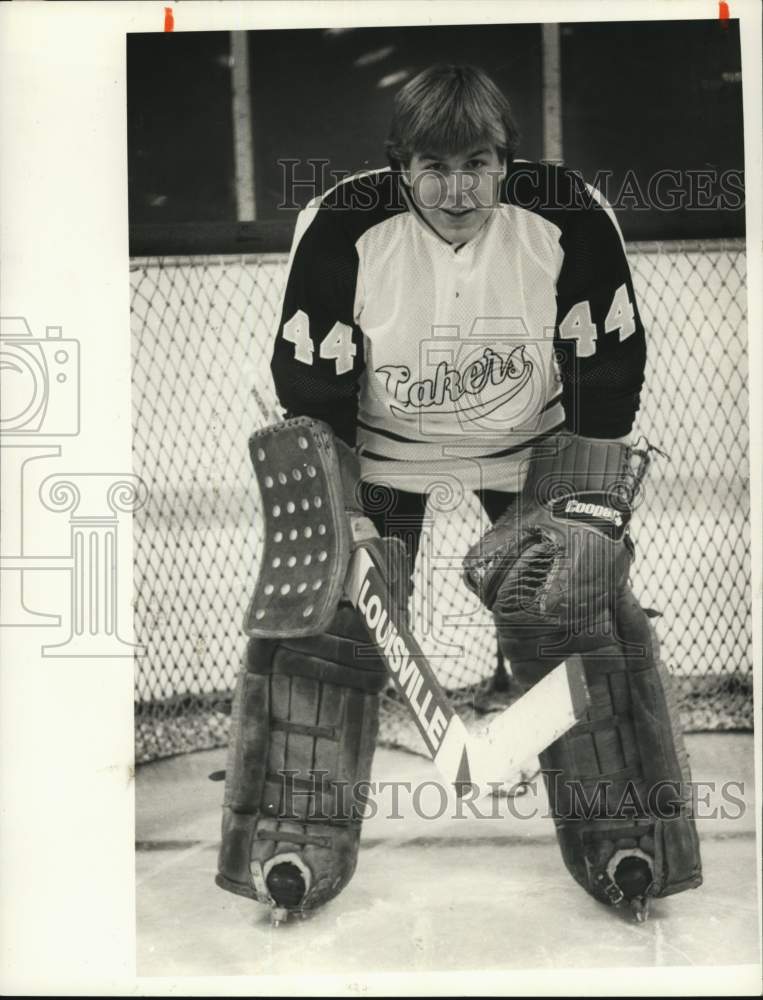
466 317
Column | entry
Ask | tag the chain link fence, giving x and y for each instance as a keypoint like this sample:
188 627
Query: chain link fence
202 332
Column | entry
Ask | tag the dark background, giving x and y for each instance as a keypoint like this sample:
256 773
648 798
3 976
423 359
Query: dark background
636 96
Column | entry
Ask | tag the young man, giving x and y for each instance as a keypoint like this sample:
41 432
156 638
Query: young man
466 317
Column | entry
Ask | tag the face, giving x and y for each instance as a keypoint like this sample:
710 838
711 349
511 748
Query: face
456 193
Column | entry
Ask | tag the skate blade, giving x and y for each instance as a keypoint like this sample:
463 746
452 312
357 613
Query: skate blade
278 915
640 910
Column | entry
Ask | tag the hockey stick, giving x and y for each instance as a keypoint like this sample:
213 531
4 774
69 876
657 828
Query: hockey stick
319 547
488 757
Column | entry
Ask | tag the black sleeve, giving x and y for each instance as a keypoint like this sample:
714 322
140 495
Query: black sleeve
318 353
599 337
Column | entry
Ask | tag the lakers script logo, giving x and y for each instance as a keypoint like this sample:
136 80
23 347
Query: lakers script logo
483 385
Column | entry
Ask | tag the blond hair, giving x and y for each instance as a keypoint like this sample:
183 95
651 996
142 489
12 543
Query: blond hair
448 109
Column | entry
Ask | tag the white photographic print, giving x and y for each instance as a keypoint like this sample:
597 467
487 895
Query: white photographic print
381 482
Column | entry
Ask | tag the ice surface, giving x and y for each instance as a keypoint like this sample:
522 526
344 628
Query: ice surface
454 893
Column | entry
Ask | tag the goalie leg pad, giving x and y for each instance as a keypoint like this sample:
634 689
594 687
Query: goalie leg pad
619 781
305 720
554 573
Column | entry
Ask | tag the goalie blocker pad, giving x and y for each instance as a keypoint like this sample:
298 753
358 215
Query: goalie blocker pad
307 481
304 726
554 572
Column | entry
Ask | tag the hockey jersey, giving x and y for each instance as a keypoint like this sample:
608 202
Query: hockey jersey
441 360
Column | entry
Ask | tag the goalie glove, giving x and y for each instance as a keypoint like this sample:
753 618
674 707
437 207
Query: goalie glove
555 561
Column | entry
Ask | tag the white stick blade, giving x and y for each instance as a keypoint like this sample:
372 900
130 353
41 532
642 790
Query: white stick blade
546 712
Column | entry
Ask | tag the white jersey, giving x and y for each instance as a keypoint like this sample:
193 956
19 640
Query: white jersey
443 361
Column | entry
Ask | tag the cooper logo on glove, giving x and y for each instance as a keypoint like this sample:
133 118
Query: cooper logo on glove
593 510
